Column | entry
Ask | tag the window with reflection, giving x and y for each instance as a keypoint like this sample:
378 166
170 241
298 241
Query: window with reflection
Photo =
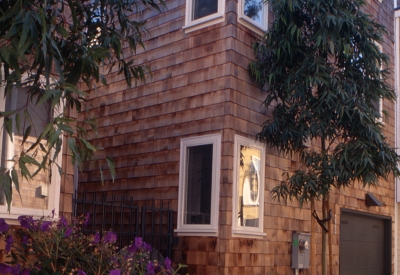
254 10
253 14
40 195
249 186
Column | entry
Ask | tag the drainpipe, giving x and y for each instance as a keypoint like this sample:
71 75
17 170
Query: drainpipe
397 133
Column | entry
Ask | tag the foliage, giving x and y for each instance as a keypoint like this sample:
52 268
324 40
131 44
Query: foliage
48 49
324 73
45 247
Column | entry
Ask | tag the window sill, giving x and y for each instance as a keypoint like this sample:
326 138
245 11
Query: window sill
203 22
259 29
197 232
12 218
248 234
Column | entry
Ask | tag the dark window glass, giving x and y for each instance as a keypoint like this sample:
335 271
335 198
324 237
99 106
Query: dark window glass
199 182
202 8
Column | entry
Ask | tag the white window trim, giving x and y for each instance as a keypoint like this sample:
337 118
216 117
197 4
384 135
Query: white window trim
215 18
397 85
247 231
199 229
250 23
53 192
380 119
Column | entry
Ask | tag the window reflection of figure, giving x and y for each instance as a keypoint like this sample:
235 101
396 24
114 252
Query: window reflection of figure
249 189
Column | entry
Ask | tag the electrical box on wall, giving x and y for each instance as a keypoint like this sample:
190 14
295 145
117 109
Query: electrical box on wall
301 250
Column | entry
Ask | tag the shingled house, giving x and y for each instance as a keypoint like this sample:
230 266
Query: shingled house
187 136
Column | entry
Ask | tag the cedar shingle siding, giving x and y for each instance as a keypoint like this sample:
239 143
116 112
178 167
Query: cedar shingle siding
200 85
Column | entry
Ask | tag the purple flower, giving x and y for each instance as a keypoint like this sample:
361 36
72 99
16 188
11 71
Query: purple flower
167 263
150 268
132 248
3 225
25 240
45 226
16 269
115 272
87 218
68 232
81 272
25 272
5 269
26 221
62 222
147 247
110 237
9 241
138 242
96 238
53 213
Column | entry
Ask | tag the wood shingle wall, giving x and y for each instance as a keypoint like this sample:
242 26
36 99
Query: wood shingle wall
200 85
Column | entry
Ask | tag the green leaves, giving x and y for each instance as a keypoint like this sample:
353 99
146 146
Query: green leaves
44 59
321 67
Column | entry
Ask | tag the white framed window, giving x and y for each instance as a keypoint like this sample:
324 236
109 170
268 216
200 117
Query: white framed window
253 14
203 13
248 190
199 181
38 196
378 105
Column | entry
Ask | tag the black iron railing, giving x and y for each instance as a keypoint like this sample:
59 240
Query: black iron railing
128 218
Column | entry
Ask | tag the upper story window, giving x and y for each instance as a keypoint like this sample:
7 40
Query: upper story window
203 13
253 14
39 195
199 177
248 191
204 8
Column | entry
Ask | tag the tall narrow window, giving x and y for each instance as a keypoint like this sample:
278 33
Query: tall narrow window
199 182
249 187
203 13
199 185
378 106
379 103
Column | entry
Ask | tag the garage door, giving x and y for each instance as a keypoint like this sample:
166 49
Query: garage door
364 245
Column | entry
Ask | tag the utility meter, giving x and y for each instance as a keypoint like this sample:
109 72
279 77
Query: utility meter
301 250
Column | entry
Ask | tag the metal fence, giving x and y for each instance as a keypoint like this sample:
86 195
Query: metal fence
128 219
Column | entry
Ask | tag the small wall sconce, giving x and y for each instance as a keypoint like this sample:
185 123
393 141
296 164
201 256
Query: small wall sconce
371 200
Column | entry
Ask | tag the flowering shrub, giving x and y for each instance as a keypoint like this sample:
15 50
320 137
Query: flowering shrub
44 247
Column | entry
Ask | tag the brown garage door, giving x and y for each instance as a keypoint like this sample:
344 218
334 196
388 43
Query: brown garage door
364 244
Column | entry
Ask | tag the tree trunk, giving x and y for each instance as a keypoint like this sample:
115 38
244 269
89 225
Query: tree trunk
324 235
330 242
312 240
